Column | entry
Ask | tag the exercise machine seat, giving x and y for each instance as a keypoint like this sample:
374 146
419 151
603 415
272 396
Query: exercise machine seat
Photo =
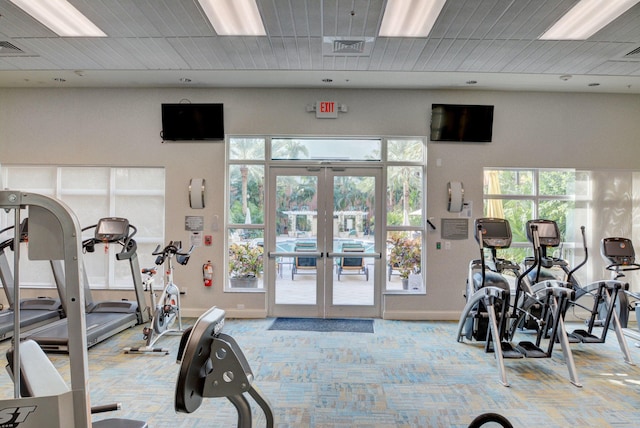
40 378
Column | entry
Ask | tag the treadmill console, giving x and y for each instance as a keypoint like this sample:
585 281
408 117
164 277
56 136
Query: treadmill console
548 232
618 251
496 232
112 229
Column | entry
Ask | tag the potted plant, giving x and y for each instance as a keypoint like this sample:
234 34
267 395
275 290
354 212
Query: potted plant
404 256
245 264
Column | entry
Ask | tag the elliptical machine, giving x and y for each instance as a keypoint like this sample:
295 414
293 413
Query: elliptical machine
621 258
487 287
166 310
601 295
489 300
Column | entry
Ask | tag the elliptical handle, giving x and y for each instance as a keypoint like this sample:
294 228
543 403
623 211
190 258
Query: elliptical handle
536 261
586 254
481 245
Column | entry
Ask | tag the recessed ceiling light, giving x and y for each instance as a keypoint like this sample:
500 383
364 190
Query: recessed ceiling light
410 18
586 18
565 77
61 17
234 17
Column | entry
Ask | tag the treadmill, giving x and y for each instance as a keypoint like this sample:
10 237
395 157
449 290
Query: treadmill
34 312
104 318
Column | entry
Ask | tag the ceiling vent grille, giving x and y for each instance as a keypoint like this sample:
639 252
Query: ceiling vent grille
348 46
336 46
9 49
634 54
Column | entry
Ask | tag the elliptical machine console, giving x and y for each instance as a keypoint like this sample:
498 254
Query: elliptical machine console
619 253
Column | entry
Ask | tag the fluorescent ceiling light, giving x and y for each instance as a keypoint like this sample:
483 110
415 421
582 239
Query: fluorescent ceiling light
410 18
587 18
234 17
61 17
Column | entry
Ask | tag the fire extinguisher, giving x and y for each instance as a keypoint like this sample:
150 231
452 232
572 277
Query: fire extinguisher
207 274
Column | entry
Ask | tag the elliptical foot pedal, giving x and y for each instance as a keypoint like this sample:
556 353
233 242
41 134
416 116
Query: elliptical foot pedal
571 337
530 350
586 337
508 351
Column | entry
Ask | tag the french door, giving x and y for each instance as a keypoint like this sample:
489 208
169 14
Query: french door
326 250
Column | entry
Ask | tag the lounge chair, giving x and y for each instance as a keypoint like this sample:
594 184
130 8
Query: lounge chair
304 265
352 265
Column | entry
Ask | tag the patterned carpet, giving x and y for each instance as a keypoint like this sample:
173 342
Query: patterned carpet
406 374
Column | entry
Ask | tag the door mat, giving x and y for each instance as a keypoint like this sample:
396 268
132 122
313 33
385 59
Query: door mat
323 325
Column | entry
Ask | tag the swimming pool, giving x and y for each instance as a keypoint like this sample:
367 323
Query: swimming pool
288 245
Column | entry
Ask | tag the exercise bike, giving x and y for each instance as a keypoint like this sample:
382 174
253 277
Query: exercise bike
166 311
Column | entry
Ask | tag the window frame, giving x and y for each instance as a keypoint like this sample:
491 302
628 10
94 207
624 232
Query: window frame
107 273
568 235
269 161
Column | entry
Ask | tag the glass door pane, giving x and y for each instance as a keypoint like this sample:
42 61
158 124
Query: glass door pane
353 239
297 256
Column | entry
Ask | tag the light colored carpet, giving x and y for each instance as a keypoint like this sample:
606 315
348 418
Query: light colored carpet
406 374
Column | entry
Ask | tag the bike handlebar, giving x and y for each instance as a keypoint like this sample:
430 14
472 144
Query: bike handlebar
172 250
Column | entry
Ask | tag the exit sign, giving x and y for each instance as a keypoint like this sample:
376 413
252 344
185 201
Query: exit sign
326 110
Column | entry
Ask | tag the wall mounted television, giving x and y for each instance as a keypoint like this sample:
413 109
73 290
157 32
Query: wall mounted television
462 123
188 122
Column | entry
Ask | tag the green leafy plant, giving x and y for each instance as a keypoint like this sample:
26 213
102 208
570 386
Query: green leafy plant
405 254
245 260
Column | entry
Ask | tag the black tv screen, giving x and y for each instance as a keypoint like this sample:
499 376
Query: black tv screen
192 122
463 123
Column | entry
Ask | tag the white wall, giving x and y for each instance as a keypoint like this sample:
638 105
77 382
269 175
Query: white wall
122 126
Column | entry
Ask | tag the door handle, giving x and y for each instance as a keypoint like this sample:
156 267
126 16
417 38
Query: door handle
356 254
310 254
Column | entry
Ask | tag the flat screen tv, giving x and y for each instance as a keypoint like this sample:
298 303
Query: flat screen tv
183 122
462 123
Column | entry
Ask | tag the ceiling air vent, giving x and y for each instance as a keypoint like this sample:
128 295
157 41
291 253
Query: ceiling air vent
8 49
634 54
348 46
335 46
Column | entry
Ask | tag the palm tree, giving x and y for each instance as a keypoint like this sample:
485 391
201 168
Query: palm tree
289 149
248 148
404 177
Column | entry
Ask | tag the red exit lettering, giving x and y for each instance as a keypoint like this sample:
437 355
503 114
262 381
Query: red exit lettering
327 106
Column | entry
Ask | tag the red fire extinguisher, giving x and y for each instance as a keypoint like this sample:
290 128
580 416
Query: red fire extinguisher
207 274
